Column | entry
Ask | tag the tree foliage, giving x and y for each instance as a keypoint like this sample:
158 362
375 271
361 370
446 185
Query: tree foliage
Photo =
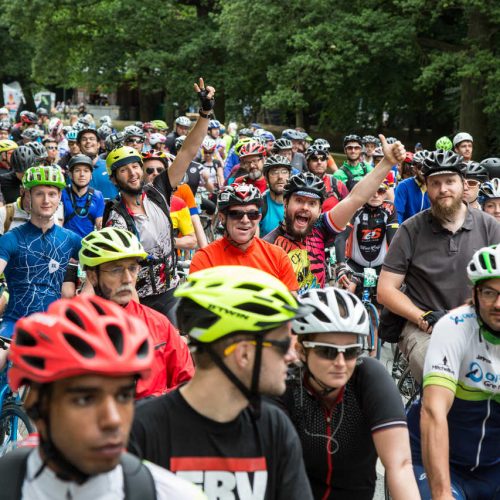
339 64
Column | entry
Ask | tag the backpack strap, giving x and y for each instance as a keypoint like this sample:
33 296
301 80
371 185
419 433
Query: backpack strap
264 207
350 177
9 215
13 472
137 479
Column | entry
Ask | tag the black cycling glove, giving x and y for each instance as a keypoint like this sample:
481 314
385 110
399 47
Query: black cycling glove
432 317
206 103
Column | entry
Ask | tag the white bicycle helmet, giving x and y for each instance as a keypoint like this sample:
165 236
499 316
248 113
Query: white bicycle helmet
491 189
183 121
335 310
460 137
208 144
157 138
485 264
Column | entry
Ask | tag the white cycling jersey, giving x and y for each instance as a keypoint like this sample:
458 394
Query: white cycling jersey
108 486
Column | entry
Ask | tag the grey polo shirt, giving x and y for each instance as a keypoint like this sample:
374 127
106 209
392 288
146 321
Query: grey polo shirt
434 260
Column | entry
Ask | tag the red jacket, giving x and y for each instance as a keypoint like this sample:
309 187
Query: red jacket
172 362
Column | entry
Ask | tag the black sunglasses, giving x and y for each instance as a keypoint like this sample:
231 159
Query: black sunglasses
239 214
152 170
330 352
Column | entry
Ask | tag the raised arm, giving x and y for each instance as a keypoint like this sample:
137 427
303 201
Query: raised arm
194 139
342 213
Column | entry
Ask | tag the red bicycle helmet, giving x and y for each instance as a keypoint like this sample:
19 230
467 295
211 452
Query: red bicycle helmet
238 194
79 336
252 148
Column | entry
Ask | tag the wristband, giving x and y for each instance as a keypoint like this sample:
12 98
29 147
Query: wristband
203 114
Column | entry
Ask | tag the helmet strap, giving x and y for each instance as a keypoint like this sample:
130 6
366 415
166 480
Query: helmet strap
325 389
252 394
485 329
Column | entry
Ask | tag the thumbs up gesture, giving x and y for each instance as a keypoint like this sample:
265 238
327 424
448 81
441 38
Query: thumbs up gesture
393 153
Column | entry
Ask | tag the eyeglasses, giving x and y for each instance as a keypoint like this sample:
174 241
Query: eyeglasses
152 170
472 183
255 161
239 214
354 148
282 346
317 158
489 295
278 171
331 351
50 148
134 141
119 271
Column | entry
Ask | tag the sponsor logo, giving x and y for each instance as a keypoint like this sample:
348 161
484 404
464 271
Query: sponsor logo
489 380
224 478
462 317
482 358
236 314
53 266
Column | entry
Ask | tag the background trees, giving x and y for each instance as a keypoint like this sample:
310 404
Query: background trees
336 64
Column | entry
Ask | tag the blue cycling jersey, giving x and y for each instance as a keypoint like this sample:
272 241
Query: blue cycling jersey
36 264
101 182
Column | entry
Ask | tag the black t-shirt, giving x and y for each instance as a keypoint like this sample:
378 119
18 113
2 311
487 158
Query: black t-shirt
170 142
338 448
194 176
245 458
10 184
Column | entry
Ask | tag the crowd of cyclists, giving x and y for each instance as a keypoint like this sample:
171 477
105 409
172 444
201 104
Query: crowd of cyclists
193 296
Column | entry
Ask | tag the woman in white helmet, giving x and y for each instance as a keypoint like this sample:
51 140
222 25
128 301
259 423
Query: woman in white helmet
490 195
346 408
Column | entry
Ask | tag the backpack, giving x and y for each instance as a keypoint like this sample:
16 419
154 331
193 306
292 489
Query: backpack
350 178
137 479
160 201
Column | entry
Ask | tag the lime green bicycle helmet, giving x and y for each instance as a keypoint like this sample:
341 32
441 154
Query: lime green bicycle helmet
444 143
485 264
159 125
110 244
44 175
241 143
7 145
233 299
120 157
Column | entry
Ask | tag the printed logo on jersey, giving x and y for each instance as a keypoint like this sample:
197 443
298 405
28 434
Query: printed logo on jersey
462 317
443 367
301 266
371 234
224 478
53 266
489 380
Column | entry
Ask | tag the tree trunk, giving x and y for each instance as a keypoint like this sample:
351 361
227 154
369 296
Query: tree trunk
472 116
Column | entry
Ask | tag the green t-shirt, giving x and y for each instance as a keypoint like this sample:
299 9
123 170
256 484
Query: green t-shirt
358 172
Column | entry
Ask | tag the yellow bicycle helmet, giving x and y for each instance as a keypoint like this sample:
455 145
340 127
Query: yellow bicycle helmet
120 157
225 300
110 244
7 145
44 175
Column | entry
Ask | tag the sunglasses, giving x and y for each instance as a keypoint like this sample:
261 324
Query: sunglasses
239 214
381 191
134 141
472 183
152 170
331 351
50 148
282 346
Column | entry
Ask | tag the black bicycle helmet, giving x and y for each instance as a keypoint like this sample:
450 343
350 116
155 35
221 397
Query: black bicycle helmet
276 161
315 150
42 112
86 130
80 159
281 145
179 141
370 139
133 131
475 170
493 167
305 182
238 194
39 150
246 132
22 158
353 138
443 162
32 134
104 131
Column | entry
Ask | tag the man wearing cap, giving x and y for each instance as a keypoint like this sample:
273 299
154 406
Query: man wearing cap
88 142
429 253
462 145
83 205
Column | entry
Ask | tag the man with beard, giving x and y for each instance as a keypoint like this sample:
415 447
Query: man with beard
88 142
306 232
239 214
252 162
83 205
429 254
145 209
277 172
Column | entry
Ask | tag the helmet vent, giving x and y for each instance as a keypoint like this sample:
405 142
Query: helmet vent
98 308
125 242
23 338
143 350
362 318
318 314
116 336
105 246
35 361
256 308
249 286
343 308
79 345
88 253
74 318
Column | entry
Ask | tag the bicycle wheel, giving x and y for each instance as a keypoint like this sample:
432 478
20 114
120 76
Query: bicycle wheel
14 426
408 387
